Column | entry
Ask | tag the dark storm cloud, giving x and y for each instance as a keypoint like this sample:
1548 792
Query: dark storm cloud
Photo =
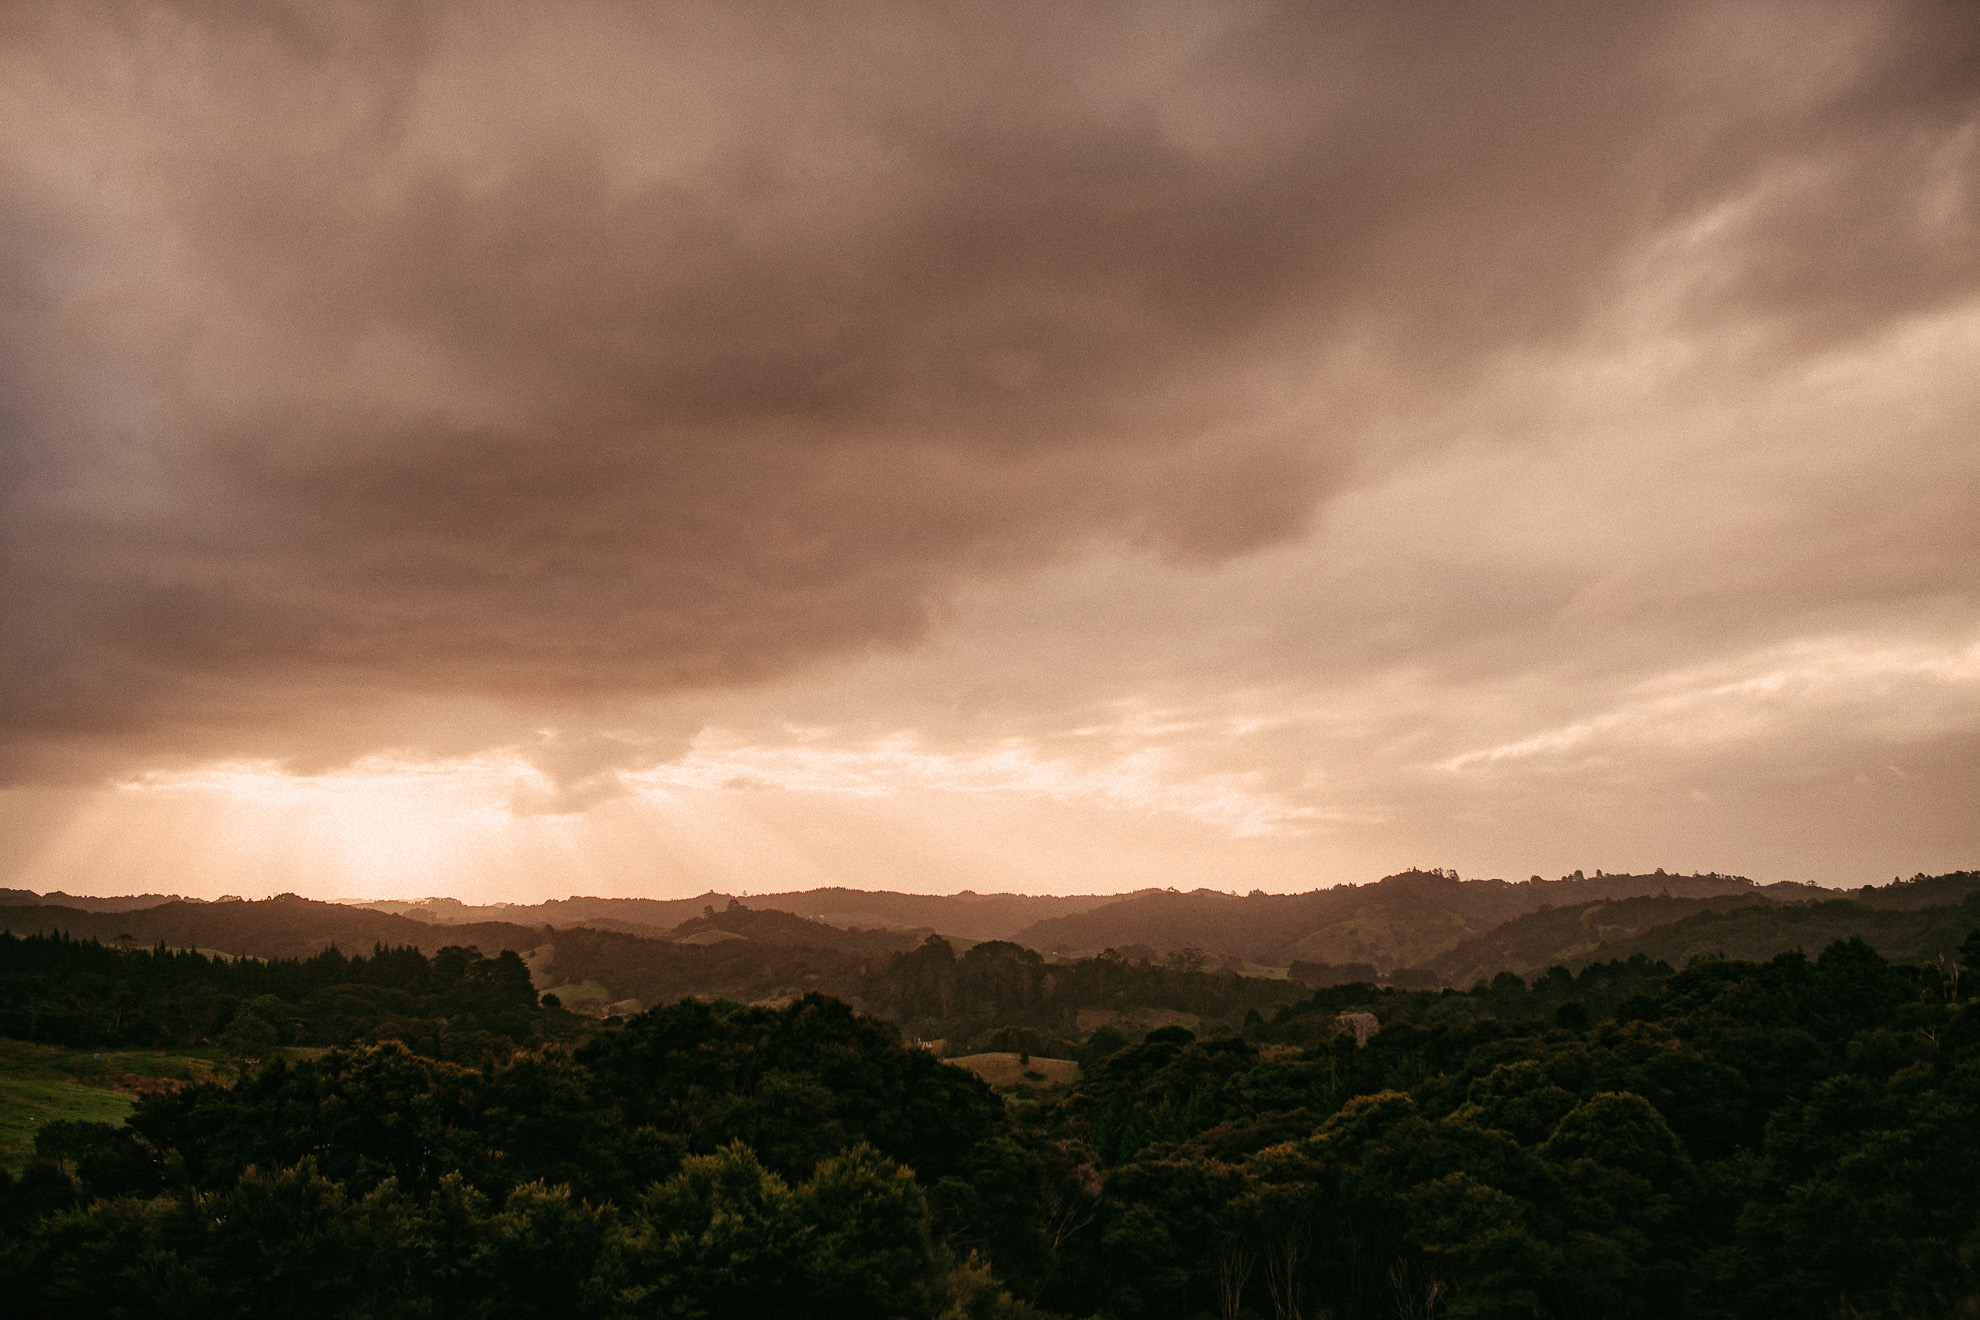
358 353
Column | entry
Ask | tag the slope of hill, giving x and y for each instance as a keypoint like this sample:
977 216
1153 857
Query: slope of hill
87 902
281 927
1759 931
970 915
1921 891
1570 936
1460 930
636 966
656 971
967 915
769 926
1402 920
638 916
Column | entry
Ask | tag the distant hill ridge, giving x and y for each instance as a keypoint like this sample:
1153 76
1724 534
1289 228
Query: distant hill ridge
1571 936
1416 927
1758 931
967 914
285 926
769 926
1757 923
1402 920
88 902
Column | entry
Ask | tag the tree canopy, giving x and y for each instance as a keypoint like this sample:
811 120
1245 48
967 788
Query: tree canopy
1733 1139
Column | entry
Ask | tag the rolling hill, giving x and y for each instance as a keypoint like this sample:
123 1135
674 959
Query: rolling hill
281 927
966 915
1758 932
1404 920
769 926
1415 927
1572 936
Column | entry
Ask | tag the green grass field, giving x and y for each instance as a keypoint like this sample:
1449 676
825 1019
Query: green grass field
42 1083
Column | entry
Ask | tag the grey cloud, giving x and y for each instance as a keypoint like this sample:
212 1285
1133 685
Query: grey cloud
467 350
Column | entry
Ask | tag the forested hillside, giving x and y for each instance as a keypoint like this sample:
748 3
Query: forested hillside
655 971
285 926
995 986
1404 920
1575 934
1677 930
770 926
966 915
1737 1139
1903 934
929 992
1417 929
458 1003
1920 891
84 902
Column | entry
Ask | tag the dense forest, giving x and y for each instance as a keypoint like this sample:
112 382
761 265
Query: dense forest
457 1003
1677 930
1791 1136
67 991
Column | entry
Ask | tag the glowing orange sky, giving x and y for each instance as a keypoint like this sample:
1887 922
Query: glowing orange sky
638 449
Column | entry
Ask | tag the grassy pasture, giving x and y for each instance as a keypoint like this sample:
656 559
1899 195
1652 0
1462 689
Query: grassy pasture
42 1083
586 997
1004 1072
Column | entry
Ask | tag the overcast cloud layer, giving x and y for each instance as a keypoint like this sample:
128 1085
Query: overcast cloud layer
1051 447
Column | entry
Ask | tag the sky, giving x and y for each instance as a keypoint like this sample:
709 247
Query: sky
513 451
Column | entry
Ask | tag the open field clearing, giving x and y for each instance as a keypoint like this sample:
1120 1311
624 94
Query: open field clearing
1006 1071
41 1084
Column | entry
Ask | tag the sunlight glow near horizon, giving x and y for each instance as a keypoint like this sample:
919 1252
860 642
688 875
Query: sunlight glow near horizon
387 830
375 831
740 814
733 818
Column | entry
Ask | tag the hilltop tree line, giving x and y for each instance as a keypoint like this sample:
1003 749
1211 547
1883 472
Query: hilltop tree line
1751 1139
58 990
1737 1139
1415 930
1184 947
930 991
999 988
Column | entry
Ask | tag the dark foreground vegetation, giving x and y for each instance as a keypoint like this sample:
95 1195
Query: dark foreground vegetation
1794 1137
